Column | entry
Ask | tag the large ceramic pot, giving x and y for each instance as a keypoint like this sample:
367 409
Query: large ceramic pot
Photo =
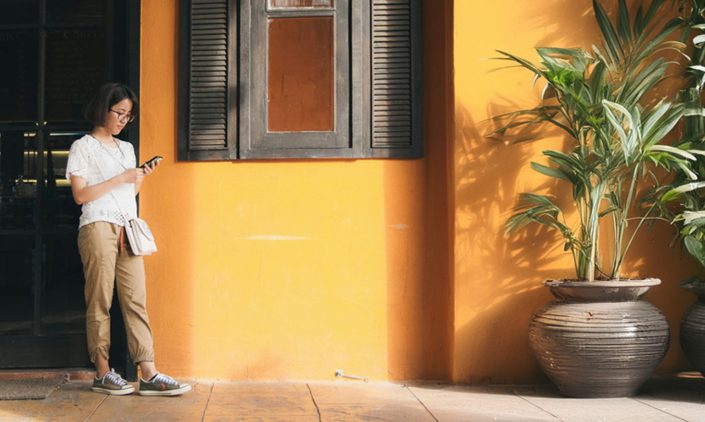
599 339
692 332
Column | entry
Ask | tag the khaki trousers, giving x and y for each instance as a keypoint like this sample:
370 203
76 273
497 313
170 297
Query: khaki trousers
98 244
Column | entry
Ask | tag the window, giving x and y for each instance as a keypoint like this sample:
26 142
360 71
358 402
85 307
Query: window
300 79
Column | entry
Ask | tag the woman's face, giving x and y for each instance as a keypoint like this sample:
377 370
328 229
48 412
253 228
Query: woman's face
118 116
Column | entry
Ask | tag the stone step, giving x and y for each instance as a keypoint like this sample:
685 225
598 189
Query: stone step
71 374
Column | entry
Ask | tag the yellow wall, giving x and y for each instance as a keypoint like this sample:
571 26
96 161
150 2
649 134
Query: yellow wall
293 269
497 281
393 269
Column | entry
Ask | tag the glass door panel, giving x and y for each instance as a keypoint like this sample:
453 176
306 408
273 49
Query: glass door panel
75 68
63 308
59 211
55 54
19 12
18 179
18 75
75 11
17 298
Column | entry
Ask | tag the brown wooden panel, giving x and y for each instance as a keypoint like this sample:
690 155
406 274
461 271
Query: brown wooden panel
301 75
295 4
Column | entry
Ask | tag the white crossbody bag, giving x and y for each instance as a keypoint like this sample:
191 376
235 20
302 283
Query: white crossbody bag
140 237
138 233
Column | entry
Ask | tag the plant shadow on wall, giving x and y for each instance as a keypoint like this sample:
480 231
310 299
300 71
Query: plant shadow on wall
496 276
602 100
568 23
498 297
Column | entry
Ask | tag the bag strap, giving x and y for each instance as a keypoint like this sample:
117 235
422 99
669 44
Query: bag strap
123 214
125 220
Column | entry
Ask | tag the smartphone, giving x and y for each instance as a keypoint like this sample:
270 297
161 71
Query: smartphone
152 161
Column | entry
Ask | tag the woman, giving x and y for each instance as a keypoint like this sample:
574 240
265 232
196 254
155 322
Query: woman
105 181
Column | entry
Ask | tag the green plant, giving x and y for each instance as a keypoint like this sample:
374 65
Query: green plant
600 100
689 212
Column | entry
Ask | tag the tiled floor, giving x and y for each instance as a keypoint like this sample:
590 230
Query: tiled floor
670 399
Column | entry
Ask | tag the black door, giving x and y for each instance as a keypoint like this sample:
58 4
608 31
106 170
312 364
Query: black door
54 55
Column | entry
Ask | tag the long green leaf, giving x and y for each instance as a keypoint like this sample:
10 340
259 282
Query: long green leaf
676 192
696 248
673 150
662 127
612 42
628 137
653 118
549 171
623 24
652 10
688 172
693 217
523 62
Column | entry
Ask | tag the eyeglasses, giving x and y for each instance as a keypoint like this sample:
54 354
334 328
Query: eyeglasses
124 117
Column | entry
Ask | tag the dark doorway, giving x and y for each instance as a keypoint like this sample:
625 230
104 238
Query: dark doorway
55 54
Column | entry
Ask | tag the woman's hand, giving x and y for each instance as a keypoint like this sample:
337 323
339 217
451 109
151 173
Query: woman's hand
132 175
140 176
150 169
144 171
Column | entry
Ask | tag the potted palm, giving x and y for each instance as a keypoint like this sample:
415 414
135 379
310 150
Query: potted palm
598 338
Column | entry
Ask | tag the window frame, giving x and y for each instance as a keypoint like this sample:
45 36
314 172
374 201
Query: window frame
255 140
361 139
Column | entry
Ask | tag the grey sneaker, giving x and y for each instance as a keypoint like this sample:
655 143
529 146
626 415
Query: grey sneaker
162 385
112 383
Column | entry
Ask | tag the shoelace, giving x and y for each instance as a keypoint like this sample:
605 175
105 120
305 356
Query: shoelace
115 378
164 378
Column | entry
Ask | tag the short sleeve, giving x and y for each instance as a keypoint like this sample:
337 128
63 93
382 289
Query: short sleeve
77 164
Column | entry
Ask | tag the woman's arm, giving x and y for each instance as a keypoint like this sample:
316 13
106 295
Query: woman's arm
139 180
82 193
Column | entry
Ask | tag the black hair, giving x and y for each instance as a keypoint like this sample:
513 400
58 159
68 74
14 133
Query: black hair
105 98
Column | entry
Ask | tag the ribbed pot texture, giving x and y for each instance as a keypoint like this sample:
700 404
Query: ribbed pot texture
692 334
590 347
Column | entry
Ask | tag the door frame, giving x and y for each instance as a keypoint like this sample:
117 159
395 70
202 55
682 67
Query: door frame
48 354
134 36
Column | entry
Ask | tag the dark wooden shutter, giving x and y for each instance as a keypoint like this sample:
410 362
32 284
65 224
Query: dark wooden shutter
396 79
207 79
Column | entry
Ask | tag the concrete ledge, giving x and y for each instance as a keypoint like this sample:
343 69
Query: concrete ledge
70 374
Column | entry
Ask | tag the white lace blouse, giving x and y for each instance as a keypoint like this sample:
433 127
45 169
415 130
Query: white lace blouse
95 162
